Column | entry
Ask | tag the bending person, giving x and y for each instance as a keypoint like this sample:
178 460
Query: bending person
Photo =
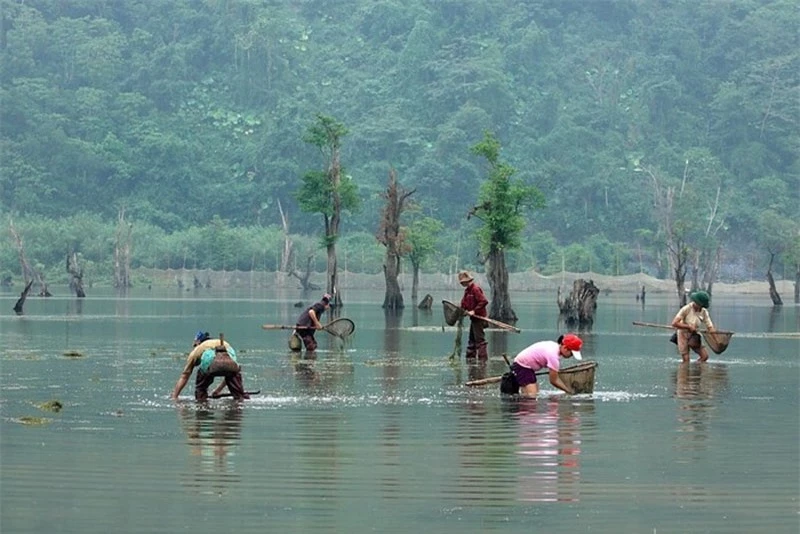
541 355
213 358
687 321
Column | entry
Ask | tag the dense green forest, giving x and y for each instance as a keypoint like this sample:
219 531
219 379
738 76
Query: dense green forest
185 119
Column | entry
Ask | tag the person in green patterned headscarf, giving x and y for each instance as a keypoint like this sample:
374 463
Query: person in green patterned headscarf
687 321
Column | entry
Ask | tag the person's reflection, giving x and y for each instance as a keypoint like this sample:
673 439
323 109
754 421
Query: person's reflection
549 447
697 386
213 432
323 371
476 368
304 369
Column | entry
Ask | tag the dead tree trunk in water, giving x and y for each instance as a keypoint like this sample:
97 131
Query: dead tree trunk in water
391 236
76 282
773 291
122 253
28 272
797 284
497 274
286 253
21 300
426 303
578 309
304 278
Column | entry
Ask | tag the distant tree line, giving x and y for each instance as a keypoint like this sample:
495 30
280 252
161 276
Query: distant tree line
662 135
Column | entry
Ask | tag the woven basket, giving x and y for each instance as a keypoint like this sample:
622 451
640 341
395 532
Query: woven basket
295 343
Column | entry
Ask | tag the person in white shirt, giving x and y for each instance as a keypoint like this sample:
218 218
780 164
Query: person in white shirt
687 322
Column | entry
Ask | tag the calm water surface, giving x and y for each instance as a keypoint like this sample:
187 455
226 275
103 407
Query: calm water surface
380 435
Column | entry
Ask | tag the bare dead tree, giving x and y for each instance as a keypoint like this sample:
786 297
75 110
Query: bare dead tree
286 253
122 252
391 236
773 291
21 300
76 275
28 273
305 277
680 255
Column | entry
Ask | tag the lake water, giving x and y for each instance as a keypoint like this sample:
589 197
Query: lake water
380 435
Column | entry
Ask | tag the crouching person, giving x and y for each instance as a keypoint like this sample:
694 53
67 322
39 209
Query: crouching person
213 358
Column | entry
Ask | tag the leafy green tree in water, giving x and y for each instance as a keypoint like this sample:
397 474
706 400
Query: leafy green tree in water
328 192
421 238
500 206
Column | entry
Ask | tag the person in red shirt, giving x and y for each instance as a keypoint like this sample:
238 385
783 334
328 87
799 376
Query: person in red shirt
474 303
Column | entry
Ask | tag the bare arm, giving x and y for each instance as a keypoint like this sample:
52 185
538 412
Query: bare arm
556 381
180 384
219 389
680 324
709 323
313 315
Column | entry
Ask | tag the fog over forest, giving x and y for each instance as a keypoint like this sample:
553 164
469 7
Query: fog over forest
181 127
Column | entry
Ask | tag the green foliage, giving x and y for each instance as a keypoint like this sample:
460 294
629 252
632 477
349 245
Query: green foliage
502 201
183 111
331 191
422 235
360 252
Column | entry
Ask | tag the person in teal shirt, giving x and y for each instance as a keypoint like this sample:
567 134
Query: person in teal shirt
213 358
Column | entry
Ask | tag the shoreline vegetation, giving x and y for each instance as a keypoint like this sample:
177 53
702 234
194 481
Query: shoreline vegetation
523 281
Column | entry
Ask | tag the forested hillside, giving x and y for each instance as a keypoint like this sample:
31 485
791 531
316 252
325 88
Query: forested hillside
634 117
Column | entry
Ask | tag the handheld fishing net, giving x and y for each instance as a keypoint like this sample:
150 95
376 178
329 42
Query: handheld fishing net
717 341
341 327
452 312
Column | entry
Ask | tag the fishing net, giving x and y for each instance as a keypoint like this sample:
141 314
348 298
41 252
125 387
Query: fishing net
718 341
579 378
452 313
341 327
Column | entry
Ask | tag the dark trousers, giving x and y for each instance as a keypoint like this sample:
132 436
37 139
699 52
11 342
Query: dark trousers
307 335
224 366
476 343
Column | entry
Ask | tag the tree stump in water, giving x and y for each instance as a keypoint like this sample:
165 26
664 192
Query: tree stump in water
579 307
76 275
426 303
21 300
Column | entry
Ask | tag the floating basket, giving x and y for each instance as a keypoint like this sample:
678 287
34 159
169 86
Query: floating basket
295 343
579 378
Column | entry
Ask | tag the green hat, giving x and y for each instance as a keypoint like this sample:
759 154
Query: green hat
700 298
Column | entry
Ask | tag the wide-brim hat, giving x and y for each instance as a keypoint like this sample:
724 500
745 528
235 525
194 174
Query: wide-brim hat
464 276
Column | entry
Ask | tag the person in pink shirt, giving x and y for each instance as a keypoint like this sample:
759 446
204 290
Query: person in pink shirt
541 355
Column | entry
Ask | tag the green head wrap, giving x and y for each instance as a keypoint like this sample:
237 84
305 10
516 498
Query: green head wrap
700 298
